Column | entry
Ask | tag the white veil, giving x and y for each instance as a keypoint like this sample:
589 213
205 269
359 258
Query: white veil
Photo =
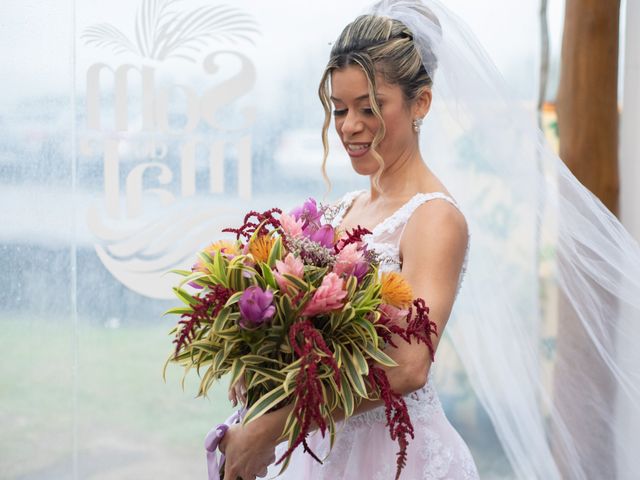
558 422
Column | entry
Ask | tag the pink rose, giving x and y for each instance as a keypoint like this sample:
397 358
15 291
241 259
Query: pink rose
329 296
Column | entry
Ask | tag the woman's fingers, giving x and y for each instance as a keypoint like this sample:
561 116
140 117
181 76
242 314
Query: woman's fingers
265 470
232 397
240 476
235 473
238 392
242 393
262 473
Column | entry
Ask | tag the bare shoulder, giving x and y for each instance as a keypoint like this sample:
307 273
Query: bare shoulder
437 230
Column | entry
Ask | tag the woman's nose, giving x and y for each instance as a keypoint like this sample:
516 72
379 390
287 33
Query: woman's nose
351 124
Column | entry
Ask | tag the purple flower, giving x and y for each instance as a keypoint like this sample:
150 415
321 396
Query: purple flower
308 212
255 307
360 270
324 235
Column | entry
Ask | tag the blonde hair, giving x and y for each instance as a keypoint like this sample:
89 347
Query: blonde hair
379 45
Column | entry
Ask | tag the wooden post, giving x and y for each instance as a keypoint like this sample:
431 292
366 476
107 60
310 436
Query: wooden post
587 107
587 102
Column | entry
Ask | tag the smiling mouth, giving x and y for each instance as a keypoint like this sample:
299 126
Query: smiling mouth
357 150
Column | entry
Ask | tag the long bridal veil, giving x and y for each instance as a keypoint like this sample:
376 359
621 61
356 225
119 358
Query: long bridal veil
558 406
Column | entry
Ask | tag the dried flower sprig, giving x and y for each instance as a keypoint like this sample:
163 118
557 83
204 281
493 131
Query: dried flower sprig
312 253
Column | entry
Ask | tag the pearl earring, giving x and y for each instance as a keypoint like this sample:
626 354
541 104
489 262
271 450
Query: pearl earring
416 124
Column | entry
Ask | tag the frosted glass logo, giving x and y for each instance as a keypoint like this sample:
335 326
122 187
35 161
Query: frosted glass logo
166 110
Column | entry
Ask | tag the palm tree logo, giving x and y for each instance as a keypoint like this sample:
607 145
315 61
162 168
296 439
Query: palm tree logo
163 32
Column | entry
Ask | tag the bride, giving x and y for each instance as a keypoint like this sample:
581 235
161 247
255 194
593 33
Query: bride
417 228
381 83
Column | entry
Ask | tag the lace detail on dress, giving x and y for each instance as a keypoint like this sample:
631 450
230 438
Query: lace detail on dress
442 457
421 404
402 215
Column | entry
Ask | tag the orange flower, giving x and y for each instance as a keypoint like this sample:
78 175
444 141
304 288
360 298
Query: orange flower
223 246
395 290
226 247
260 247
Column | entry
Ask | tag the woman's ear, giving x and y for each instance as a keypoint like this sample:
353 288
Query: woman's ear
422 103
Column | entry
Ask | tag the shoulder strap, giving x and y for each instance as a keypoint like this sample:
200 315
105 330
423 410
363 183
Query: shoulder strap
418 200
402 215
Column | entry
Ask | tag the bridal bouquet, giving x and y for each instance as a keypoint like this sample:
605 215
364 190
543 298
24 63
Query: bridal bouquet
299 312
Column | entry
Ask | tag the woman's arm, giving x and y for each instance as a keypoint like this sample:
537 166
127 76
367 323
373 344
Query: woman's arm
432 248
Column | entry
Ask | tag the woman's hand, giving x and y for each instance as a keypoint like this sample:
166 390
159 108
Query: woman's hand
248 451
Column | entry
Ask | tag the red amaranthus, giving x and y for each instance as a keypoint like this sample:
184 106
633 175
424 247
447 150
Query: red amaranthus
308 391
207 306
398 420
262 222
420 326
353 236
385 328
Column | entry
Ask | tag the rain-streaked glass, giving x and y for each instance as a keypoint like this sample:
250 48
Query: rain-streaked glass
132 133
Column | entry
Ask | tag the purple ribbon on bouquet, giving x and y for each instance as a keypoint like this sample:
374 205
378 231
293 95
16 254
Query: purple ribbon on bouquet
213 439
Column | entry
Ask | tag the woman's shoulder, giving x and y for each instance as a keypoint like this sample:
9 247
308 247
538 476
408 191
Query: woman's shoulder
436 223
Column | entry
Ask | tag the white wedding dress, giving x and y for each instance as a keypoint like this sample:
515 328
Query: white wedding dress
363 448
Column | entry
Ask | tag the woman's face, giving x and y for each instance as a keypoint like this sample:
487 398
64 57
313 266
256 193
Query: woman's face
356 123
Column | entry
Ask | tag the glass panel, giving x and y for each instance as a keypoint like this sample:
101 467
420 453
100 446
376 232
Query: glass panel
36 242
172 138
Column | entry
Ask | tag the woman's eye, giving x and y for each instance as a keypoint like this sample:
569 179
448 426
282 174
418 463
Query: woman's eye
366 111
